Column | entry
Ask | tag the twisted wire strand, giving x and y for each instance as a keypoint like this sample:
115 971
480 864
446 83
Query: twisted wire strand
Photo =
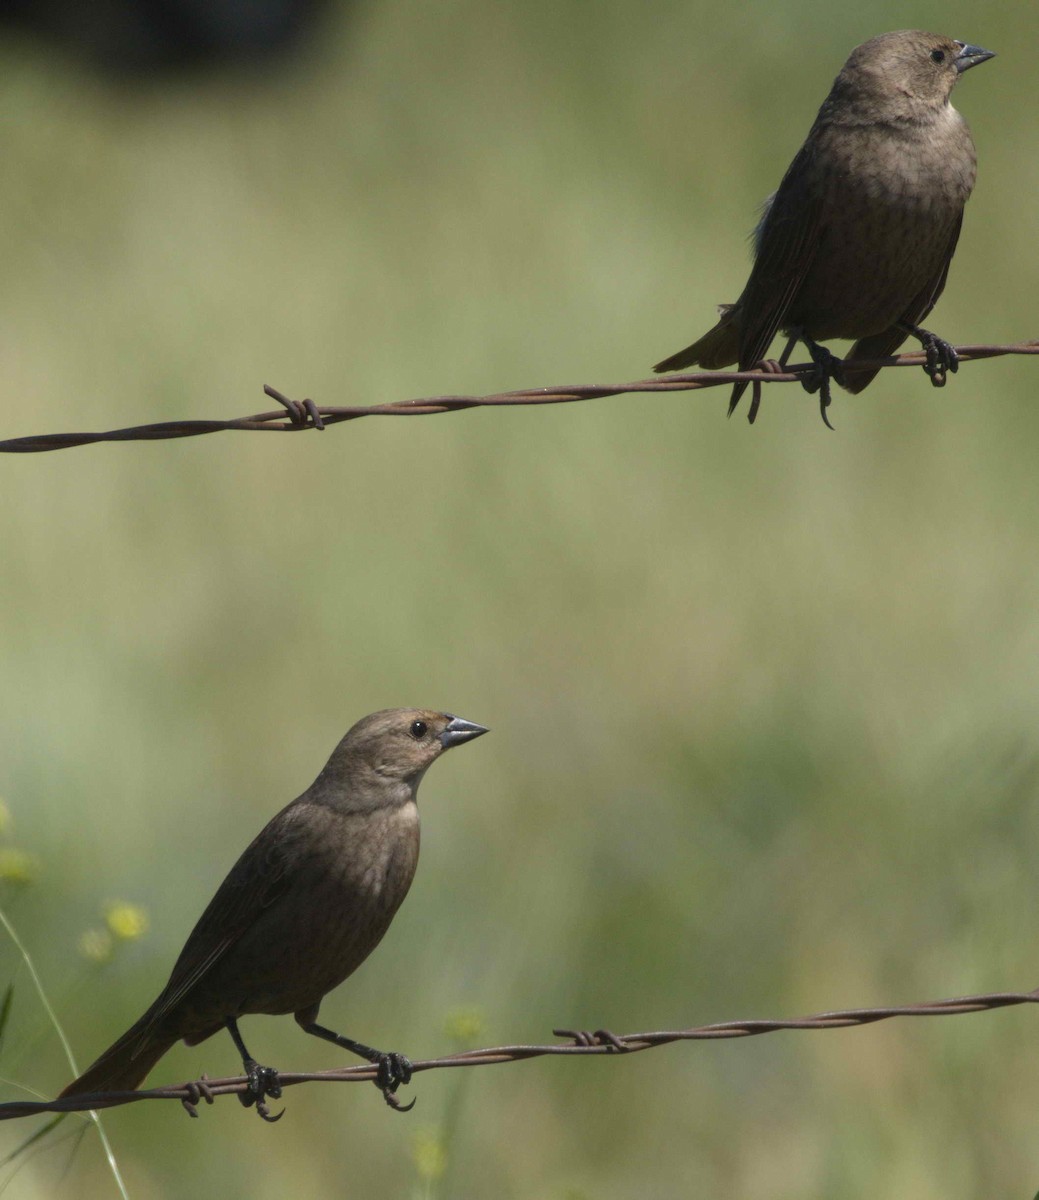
579 1044
294 416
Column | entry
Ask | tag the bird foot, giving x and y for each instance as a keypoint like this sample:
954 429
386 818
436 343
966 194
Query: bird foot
941 358
197 1089
301 412
826 366
263 1082
394 1071
601 1037
391 1070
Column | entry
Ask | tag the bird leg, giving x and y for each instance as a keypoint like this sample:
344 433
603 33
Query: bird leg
827 366
941 355
263 1081
393 1069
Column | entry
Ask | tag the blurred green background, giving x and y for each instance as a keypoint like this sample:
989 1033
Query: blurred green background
765 702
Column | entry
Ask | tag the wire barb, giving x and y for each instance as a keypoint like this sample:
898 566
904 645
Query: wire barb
295 416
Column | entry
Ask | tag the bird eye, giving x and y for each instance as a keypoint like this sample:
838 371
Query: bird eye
938 56
418 729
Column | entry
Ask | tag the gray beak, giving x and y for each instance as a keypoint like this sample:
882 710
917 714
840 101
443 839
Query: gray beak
459 731
969 56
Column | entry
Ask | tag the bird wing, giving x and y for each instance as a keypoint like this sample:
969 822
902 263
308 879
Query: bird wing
254 883
787 242
885 343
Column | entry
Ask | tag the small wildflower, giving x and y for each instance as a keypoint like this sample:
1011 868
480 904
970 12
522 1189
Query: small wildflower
18 866
464 1025
429 1154
127 922
96 945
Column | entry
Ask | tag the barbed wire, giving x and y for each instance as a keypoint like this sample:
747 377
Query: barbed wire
294 416
581 1044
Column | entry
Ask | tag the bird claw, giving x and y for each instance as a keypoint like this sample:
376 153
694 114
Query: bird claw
264 1113
263 1082
941 358
600 1037
393 1071
826 366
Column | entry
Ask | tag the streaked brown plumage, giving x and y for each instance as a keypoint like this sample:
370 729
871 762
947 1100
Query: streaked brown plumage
303 907
856 242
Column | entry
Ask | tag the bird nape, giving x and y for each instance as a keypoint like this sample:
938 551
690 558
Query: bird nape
301 909
856 241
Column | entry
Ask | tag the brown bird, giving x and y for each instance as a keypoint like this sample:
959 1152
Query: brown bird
856 242
302 908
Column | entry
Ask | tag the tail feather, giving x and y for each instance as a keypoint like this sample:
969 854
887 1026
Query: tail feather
125 1064
719 347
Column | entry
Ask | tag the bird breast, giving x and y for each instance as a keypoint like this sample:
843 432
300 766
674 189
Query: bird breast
891 199
345 881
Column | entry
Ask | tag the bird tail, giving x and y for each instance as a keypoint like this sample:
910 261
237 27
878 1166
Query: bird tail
879 345
719 347
124 1065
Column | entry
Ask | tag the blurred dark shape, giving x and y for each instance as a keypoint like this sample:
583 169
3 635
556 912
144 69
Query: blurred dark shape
139 37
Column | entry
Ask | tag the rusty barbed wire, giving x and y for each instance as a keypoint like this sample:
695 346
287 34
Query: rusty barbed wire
296 415
581 1043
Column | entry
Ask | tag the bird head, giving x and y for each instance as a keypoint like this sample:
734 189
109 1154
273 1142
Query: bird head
903 76
399 744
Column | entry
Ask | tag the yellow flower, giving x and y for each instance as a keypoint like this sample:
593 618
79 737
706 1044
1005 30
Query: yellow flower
127 922
464 1025
18 866
429 1154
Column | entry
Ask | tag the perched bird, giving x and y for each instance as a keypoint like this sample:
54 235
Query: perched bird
302 908
856 242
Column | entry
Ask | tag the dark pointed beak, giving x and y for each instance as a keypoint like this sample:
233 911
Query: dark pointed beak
459 731
969 56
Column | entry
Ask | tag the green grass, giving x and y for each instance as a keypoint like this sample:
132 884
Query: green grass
764 701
